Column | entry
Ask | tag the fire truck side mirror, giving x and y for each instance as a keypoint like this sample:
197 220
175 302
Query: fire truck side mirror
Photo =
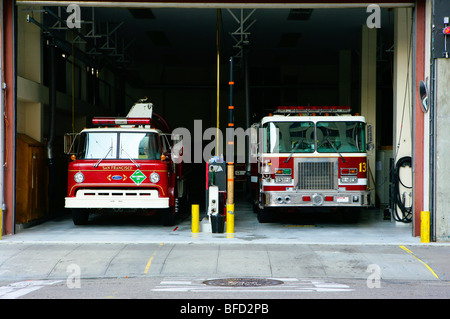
177 148
254 131
369 141
69 143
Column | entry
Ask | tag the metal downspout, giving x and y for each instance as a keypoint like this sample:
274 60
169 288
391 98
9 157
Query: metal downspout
52 112
14 129
432 132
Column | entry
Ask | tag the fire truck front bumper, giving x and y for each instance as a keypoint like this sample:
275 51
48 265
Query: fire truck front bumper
316 199
88 198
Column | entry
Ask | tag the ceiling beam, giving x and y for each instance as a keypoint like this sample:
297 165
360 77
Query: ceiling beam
257 4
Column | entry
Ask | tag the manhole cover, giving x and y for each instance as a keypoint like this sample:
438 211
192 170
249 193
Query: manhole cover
243 282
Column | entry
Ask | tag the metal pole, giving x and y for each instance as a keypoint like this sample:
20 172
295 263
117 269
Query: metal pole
424 227
247 123
218 79
432 132
195 218
230 157
52 118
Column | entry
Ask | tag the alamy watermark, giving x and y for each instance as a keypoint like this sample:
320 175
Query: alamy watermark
74 18
374 19
374 279
74 278
190 149
232 134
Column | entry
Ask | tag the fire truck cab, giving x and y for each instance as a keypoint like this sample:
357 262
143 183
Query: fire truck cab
305 157
126 165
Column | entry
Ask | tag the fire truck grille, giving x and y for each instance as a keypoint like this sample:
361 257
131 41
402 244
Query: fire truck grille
316 175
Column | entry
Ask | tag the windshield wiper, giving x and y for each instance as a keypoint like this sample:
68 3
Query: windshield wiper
129 157
98 162
335 149
292 151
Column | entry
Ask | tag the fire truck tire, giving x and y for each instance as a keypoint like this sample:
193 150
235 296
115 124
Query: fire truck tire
265 215
168 217
80 216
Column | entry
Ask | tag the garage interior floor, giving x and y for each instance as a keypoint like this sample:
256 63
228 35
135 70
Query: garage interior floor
305 228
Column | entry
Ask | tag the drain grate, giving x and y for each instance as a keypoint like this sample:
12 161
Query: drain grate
243 282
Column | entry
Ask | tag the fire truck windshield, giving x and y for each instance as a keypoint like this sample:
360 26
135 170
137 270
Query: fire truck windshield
344 137
307 137
119 145
289 137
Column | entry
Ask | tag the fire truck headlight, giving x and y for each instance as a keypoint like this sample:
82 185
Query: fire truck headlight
154 178
79 177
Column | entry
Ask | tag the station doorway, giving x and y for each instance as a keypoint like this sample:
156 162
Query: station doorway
309 56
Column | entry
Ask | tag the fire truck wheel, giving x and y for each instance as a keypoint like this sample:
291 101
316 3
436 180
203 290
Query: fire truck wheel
264 215
168 217
80 216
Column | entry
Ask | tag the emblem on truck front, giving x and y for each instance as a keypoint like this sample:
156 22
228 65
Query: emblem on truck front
138 177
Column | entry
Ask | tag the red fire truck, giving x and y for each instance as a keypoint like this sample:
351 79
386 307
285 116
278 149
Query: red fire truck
124 165
309 157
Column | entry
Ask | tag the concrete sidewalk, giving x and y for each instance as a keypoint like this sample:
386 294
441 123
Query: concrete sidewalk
23 261
299 247
322 228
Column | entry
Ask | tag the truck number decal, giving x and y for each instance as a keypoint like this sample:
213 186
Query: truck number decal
362 167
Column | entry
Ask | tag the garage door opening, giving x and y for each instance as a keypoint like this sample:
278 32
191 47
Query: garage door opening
292 56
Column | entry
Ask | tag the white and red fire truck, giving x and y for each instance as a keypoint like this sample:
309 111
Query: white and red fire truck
125 165
304 157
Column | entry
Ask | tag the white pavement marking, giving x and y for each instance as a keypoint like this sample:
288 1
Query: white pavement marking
289 285
21 288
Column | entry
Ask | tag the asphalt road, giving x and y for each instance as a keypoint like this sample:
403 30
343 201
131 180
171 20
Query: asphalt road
129 271
192 288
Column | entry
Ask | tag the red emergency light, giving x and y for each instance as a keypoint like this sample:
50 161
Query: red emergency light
121 121
313 109
446 31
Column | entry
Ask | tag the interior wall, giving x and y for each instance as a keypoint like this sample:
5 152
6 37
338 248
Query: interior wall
30 93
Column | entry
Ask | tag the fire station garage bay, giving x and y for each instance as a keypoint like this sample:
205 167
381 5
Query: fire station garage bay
338 93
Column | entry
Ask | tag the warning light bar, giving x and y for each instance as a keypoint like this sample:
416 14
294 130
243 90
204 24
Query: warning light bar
121 121
446 31
313 109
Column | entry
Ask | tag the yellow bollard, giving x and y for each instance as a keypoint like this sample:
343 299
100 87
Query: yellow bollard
195 218
230 218
424 227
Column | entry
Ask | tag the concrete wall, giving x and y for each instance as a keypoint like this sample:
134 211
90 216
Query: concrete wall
442 167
